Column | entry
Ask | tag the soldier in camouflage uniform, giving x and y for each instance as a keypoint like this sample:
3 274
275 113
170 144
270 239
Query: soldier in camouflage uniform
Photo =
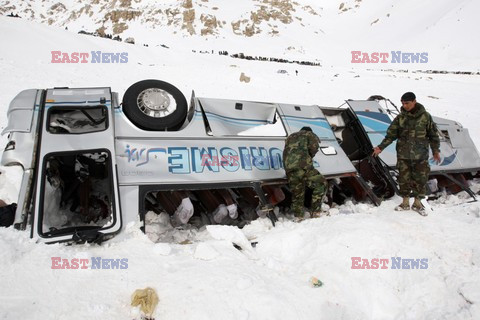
300 148
415 131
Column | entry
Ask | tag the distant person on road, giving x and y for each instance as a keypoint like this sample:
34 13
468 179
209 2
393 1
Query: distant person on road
415 130
300 148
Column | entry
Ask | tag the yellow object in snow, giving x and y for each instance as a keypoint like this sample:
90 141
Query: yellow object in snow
147 299
316 282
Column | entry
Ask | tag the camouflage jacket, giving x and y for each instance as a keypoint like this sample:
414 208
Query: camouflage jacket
415 131
300 148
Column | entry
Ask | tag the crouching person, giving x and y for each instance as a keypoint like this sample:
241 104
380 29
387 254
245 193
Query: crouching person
300 148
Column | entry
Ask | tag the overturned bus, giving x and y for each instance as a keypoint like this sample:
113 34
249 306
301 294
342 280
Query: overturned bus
91 165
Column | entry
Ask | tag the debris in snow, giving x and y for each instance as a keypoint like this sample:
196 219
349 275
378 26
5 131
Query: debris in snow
316 282
244 78
130 40
147 299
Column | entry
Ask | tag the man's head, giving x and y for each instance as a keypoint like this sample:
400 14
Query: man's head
307 129
408 100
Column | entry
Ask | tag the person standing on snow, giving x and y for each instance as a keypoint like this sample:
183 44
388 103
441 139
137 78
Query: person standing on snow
415 130
300 148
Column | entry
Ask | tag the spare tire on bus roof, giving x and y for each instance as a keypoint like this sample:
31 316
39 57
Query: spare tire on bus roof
155 105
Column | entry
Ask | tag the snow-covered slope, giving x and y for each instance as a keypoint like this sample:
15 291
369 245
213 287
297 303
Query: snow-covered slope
206 277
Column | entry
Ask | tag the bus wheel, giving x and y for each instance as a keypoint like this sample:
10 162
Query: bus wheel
155 105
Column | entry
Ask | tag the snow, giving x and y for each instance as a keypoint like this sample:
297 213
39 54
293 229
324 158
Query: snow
209 278
199 273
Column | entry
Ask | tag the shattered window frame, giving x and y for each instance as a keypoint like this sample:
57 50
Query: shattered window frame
80 109
67 230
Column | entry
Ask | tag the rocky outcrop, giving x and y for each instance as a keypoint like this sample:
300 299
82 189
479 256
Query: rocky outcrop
86 9
310 10
269 11
187 4
58 7
101 31
173 16
210 24
236 27
119 27
345 6
189 17
124 15
125 3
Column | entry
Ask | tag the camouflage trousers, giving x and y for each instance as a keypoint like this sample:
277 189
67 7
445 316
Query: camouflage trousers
298 180
413 177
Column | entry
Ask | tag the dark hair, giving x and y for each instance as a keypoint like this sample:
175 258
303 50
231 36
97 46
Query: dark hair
307 129
408 96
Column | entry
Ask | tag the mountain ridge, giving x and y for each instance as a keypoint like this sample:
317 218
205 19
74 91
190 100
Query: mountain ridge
201 17
321 31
